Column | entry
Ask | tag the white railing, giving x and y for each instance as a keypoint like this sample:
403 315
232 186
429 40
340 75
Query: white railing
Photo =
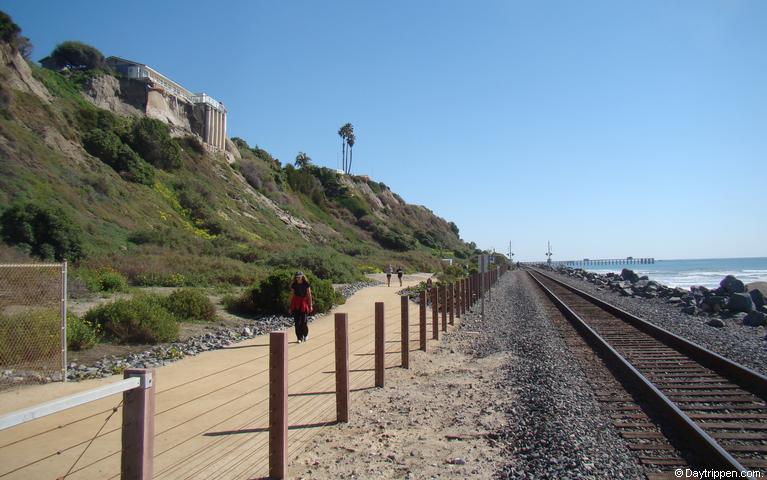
138 405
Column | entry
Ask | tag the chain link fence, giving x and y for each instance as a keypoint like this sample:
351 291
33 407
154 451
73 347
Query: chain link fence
32 323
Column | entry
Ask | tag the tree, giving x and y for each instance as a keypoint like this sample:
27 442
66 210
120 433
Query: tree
346 133
303 160
350 140
8 29
10 33
74 55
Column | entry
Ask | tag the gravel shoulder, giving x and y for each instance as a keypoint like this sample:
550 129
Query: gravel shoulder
740 343
504 385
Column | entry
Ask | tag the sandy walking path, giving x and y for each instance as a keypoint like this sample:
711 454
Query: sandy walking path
212 409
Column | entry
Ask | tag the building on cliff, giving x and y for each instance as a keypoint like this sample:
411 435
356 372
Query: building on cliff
200 113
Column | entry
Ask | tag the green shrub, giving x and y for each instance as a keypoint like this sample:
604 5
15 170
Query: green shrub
29 339
81 334
141 319
151 139
197 200
45 232
190 304
324 262
74 55
103 280
365 269
272 295
394 240
355 204
110 149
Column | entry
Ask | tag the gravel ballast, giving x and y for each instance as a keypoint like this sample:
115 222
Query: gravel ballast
555 426
730 338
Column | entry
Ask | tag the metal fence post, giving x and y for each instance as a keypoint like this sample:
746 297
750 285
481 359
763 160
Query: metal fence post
278 405
64 321
422 320
405 335
434 313
137 458
342 367
379 345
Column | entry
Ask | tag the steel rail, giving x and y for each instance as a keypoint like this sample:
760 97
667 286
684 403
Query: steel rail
750 380
708 452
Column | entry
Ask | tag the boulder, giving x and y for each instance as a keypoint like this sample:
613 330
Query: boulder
740 302
641 284
674 300
755 319
629 275
690 310
716 322
731 285
757 297
716 302
626 292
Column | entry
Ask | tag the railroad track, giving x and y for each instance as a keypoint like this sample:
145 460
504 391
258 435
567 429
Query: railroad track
710 409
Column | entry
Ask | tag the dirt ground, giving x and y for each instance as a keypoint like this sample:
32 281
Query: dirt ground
435 420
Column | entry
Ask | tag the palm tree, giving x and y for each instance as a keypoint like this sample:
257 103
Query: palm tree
302 160
342 134
345 132
350 141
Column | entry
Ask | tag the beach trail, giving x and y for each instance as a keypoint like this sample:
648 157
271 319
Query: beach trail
211 409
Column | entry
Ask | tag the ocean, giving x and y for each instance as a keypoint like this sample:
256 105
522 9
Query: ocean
707 272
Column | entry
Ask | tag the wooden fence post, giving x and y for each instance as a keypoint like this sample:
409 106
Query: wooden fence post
434 313
379 345
463 296
405 336
444 308
451 302
422 320
137 458
278 405
342 367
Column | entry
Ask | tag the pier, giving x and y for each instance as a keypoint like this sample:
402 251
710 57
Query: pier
587 262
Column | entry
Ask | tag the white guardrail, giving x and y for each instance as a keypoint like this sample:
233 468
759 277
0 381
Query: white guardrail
137 420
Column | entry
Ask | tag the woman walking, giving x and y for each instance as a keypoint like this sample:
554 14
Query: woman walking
400 272
389 271
301 305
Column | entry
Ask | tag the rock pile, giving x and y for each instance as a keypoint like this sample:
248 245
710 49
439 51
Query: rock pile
730 299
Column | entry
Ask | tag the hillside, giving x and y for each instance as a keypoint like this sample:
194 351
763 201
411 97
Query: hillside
152 202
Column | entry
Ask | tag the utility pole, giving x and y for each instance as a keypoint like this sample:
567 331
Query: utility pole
549 254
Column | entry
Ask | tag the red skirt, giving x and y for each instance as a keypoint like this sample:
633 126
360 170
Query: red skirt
300 304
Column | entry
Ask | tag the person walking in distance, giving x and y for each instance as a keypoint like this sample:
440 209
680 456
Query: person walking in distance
399 275
389 271
301 305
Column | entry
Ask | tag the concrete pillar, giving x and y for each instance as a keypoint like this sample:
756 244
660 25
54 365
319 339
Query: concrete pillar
220 130
209 124
215 128
223 130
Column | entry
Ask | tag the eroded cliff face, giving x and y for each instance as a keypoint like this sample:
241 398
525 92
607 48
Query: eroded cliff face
17 75
125 98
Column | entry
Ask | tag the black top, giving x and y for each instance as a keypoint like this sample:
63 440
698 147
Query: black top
399 272
299 289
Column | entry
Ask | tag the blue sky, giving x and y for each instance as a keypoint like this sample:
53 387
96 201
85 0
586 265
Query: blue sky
610 128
